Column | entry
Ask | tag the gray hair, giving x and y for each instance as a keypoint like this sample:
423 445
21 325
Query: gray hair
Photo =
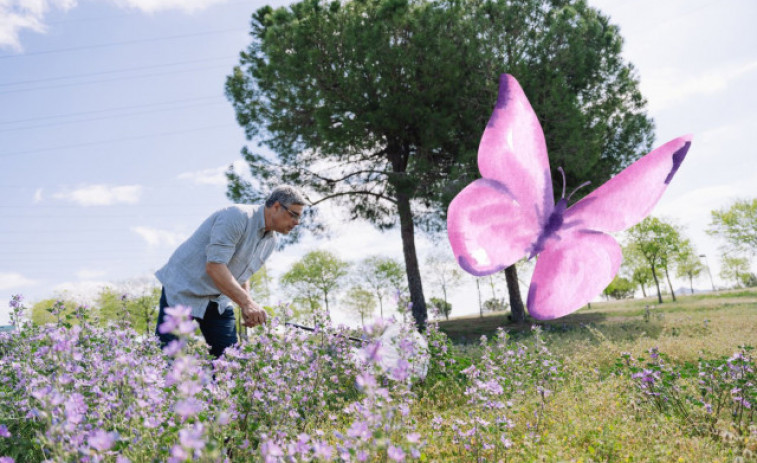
286 195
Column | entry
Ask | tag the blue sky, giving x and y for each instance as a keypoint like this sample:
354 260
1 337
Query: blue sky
114 131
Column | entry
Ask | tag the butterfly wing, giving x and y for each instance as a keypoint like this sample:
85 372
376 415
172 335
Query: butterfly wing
632 194
571 271
492 222
583 260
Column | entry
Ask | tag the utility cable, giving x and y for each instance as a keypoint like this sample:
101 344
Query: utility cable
118 44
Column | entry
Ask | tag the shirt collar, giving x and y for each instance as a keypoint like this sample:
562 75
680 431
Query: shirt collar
258 221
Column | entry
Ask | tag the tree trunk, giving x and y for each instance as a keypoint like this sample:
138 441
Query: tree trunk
480 306
326 300
670 285
407 232
643 290
517 311
657 284
691 283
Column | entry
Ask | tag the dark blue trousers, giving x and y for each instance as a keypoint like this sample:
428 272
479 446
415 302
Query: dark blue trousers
219 330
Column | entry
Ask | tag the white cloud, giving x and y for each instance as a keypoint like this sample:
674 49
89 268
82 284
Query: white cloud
215 176
665 87
82 292
697 203
38 196
101 195
14 280
155 237
153 6
89 274
18 15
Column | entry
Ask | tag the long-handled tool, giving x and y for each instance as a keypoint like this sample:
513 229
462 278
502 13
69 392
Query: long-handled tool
312 330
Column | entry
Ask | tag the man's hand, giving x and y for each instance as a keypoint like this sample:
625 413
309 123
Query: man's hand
253 315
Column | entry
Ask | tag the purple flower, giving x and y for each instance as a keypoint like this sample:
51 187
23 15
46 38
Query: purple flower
365 380
413 437
75 409
271 451
188 407
101 440
7 460
359 429
372 353
395 453
322 450
4 431
192 438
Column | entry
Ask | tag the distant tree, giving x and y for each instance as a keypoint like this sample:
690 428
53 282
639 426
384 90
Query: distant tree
636 268
657 242
620 288
260 286
361 302
737 225
54 311
381 275
736 269
444 307
132 302
318 272
443 272
688 263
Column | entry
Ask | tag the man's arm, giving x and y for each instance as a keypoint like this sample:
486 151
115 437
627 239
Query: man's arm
252 313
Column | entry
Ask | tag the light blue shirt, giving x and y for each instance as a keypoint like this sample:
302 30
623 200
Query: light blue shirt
234 236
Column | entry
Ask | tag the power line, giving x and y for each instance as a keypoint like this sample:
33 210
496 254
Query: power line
113 116
114 140
118 44
129 13
118 108
114 71
113 79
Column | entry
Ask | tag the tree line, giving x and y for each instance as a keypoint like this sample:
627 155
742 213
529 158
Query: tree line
655 248
376 286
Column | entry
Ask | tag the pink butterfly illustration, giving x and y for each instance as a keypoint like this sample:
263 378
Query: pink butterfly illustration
510 212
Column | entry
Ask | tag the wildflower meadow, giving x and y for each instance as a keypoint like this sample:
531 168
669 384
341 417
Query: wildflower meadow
617 382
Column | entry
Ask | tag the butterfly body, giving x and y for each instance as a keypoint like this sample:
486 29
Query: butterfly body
510 213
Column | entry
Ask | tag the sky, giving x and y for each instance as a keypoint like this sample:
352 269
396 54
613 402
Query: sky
115 133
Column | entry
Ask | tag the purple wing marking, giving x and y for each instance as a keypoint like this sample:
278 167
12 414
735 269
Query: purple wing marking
571 272
488 229
513 151
632 194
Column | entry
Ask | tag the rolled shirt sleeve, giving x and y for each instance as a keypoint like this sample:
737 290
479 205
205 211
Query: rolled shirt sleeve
227 230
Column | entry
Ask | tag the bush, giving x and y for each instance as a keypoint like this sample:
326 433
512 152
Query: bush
441 305
496 305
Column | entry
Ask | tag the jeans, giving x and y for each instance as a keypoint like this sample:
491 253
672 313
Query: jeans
219 330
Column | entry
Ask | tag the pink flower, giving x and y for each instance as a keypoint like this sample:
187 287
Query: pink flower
101 440
395 453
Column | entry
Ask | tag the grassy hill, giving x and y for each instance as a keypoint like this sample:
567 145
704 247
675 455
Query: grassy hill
630 314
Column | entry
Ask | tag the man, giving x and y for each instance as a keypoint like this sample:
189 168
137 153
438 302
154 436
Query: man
213 267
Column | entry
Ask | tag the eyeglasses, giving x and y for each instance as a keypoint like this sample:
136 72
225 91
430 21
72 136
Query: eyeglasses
294 215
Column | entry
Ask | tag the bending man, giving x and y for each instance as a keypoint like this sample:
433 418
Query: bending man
213 266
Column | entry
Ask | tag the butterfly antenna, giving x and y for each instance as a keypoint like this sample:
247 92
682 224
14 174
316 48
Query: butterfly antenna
579 187
564 181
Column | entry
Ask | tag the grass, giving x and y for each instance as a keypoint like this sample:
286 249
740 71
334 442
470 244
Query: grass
593 417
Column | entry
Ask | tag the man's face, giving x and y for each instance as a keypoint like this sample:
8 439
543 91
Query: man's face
286 218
